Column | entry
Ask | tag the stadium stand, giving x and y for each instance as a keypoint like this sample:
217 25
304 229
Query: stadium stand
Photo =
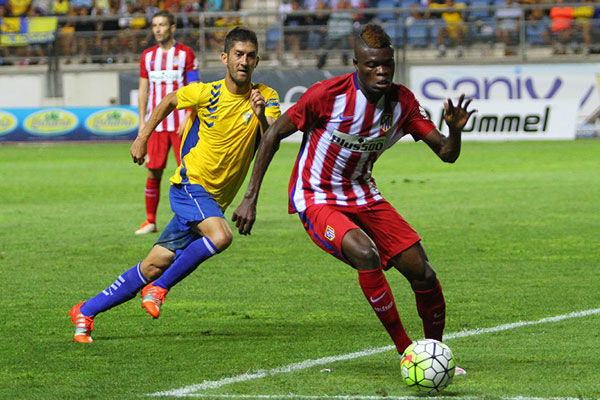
116 31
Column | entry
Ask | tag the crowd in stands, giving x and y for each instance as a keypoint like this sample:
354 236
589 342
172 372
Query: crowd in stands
315 26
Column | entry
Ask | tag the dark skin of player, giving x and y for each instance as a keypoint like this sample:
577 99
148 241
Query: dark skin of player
375 70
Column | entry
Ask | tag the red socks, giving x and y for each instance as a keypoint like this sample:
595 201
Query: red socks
432 310
378 293
152 193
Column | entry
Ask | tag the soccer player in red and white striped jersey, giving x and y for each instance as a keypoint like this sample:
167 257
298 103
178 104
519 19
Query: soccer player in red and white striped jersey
348 122
164 68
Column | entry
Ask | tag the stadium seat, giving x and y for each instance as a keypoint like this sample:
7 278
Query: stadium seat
534 31
418 34
384 17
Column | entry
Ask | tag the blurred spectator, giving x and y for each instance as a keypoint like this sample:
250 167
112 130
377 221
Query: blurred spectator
66 35
77 4
214 5
538 27
101 7
453 28
40 7
231 5
59 7
318 26
294 31
18 8
222 25
340 27
132 35
583 17
562 26
85 30
107 44
507 29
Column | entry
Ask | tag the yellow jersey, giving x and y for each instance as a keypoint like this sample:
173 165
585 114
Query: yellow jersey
220 137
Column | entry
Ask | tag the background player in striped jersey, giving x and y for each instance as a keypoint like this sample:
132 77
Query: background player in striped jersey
348 122
164 68
219 142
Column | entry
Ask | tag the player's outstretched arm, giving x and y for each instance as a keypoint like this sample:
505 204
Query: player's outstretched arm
140 144
245 214
456 117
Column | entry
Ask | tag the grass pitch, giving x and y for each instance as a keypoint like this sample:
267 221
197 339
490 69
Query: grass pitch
512 229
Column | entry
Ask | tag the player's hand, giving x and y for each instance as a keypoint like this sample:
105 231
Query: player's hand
180 129
456 117
244 216
257 102
138 150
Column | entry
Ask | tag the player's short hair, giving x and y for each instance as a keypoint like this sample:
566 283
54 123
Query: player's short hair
374 37
240 34
166 14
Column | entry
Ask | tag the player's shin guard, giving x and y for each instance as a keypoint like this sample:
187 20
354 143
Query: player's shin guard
432 310
152 195
125 288
196 253
378 293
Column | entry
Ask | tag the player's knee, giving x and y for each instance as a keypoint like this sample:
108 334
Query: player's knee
364 258
360 250
221 239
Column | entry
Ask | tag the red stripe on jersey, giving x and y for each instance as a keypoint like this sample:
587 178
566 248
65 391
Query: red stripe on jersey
352 163
178 54
163 87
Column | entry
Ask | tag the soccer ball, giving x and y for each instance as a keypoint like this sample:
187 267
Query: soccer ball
427 366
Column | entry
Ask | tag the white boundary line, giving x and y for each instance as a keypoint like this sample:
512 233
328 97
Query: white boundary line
292 396
189 390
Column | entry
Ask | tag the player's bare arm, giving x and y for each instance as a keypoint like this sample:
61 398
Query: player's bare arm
456 117
140 144
245 215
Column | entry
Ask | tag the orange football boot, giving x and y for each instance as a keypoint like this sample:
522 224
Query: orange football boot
83 324
153 298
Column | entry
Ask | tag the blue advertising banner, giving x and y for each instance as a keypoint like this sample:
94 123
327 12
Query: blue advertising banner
68 123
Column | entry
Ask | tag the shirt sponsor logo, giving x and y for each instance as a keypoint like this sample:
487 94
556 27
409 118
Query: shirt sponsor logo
164 76
329 233
52 122
8 122
361 144
114 121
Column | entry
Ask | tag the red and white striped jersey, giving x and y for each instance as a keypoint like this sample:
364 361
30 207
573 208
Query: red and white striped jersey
166 72
344 135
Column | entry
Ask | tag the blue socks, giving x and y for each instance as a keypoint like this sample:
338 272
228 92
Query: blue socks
189 259
125 288
132 281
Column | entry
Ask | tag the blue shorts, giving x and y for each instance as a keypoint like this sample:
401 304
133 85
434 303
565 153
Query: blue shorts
191 204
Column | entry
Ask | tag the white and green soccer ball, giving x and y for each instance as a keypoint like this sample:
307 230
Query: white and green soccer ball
427 366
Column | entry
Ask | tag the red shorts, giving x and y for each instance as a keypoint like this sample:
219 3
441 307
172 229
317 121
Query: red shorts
326 225
158 149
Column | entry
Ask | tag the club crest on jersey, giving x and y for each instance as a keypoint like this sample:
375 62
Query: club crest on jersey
329 233
361 144
386 122
246 116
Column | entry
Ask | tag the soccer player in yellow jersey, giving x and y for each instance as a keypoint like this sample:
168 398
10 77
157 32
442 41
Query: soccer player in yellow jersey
219 142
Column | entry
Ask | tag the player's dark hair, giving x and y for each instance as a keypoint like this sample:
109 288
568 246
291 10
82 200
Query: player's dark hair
374 37
240 34
168 15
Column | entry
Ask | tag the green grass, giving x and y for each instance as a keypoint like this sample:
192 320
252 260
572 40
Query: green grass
513 230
